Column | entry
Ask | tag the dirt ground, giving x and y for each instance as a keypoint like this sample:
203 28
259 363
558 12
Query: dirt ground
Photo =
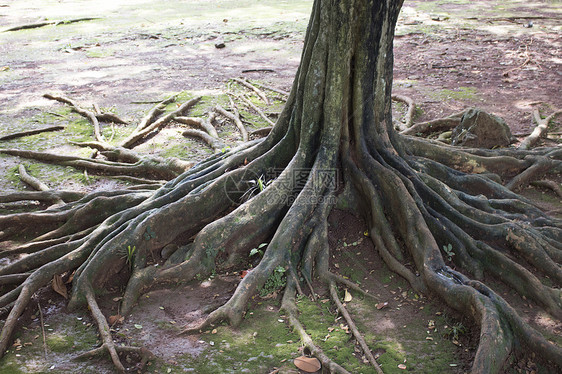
501 56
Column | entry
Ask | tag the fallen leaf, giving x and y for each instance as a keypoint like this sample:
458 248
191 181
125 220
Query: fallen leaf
115 319
381 305
347 298
307 364
70 278
59 287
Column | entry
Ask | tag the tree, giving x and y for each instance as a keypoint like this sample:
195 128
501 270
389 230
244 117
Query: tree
417 197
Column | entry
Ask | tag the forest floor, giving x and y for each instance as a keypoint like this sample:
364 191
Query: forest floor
501 56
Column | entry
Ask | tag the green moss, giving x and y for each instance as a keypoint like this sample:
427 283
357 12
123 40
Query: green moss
58 342
7 366
100 53
258 345
80 130
461 93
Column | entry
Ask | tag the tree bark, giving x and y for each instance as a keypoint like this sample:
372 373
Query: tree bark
335 134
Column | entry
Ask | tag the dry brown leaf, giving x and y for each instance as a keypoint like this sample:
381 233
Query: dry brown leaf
59 287
381 305
347 297
307 364
115 319
69 280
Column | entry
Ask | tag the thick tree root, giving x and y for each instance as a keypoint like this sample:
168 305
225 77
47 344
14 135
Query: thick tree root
436 214
438 124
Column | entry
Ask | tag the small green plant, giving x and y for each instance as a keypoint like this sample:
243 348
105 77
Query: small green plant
258 250
149 234
129 255
456 331
448 249
275 281
256 186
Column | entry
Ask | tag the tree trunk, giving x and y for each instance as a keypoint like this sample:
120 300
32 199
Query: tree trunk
334 138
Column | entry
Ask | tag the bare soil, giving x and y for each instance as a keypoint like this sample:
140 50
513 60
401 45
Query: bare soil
449 55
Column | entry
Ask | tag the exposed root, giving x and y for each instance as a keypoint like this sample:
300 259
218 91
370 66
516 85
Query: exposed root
145 354
409 118
91 116
289 306
257 110
264 131
49 23
273 89
105 334
540 166
343 311
235 118
31 132
37 184
421 200
152 122
445 123
154 167
258 92
539 131
206 131
550 185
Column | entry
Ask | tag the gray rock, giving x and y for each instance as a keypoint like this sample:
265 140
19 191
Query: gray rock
479 129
